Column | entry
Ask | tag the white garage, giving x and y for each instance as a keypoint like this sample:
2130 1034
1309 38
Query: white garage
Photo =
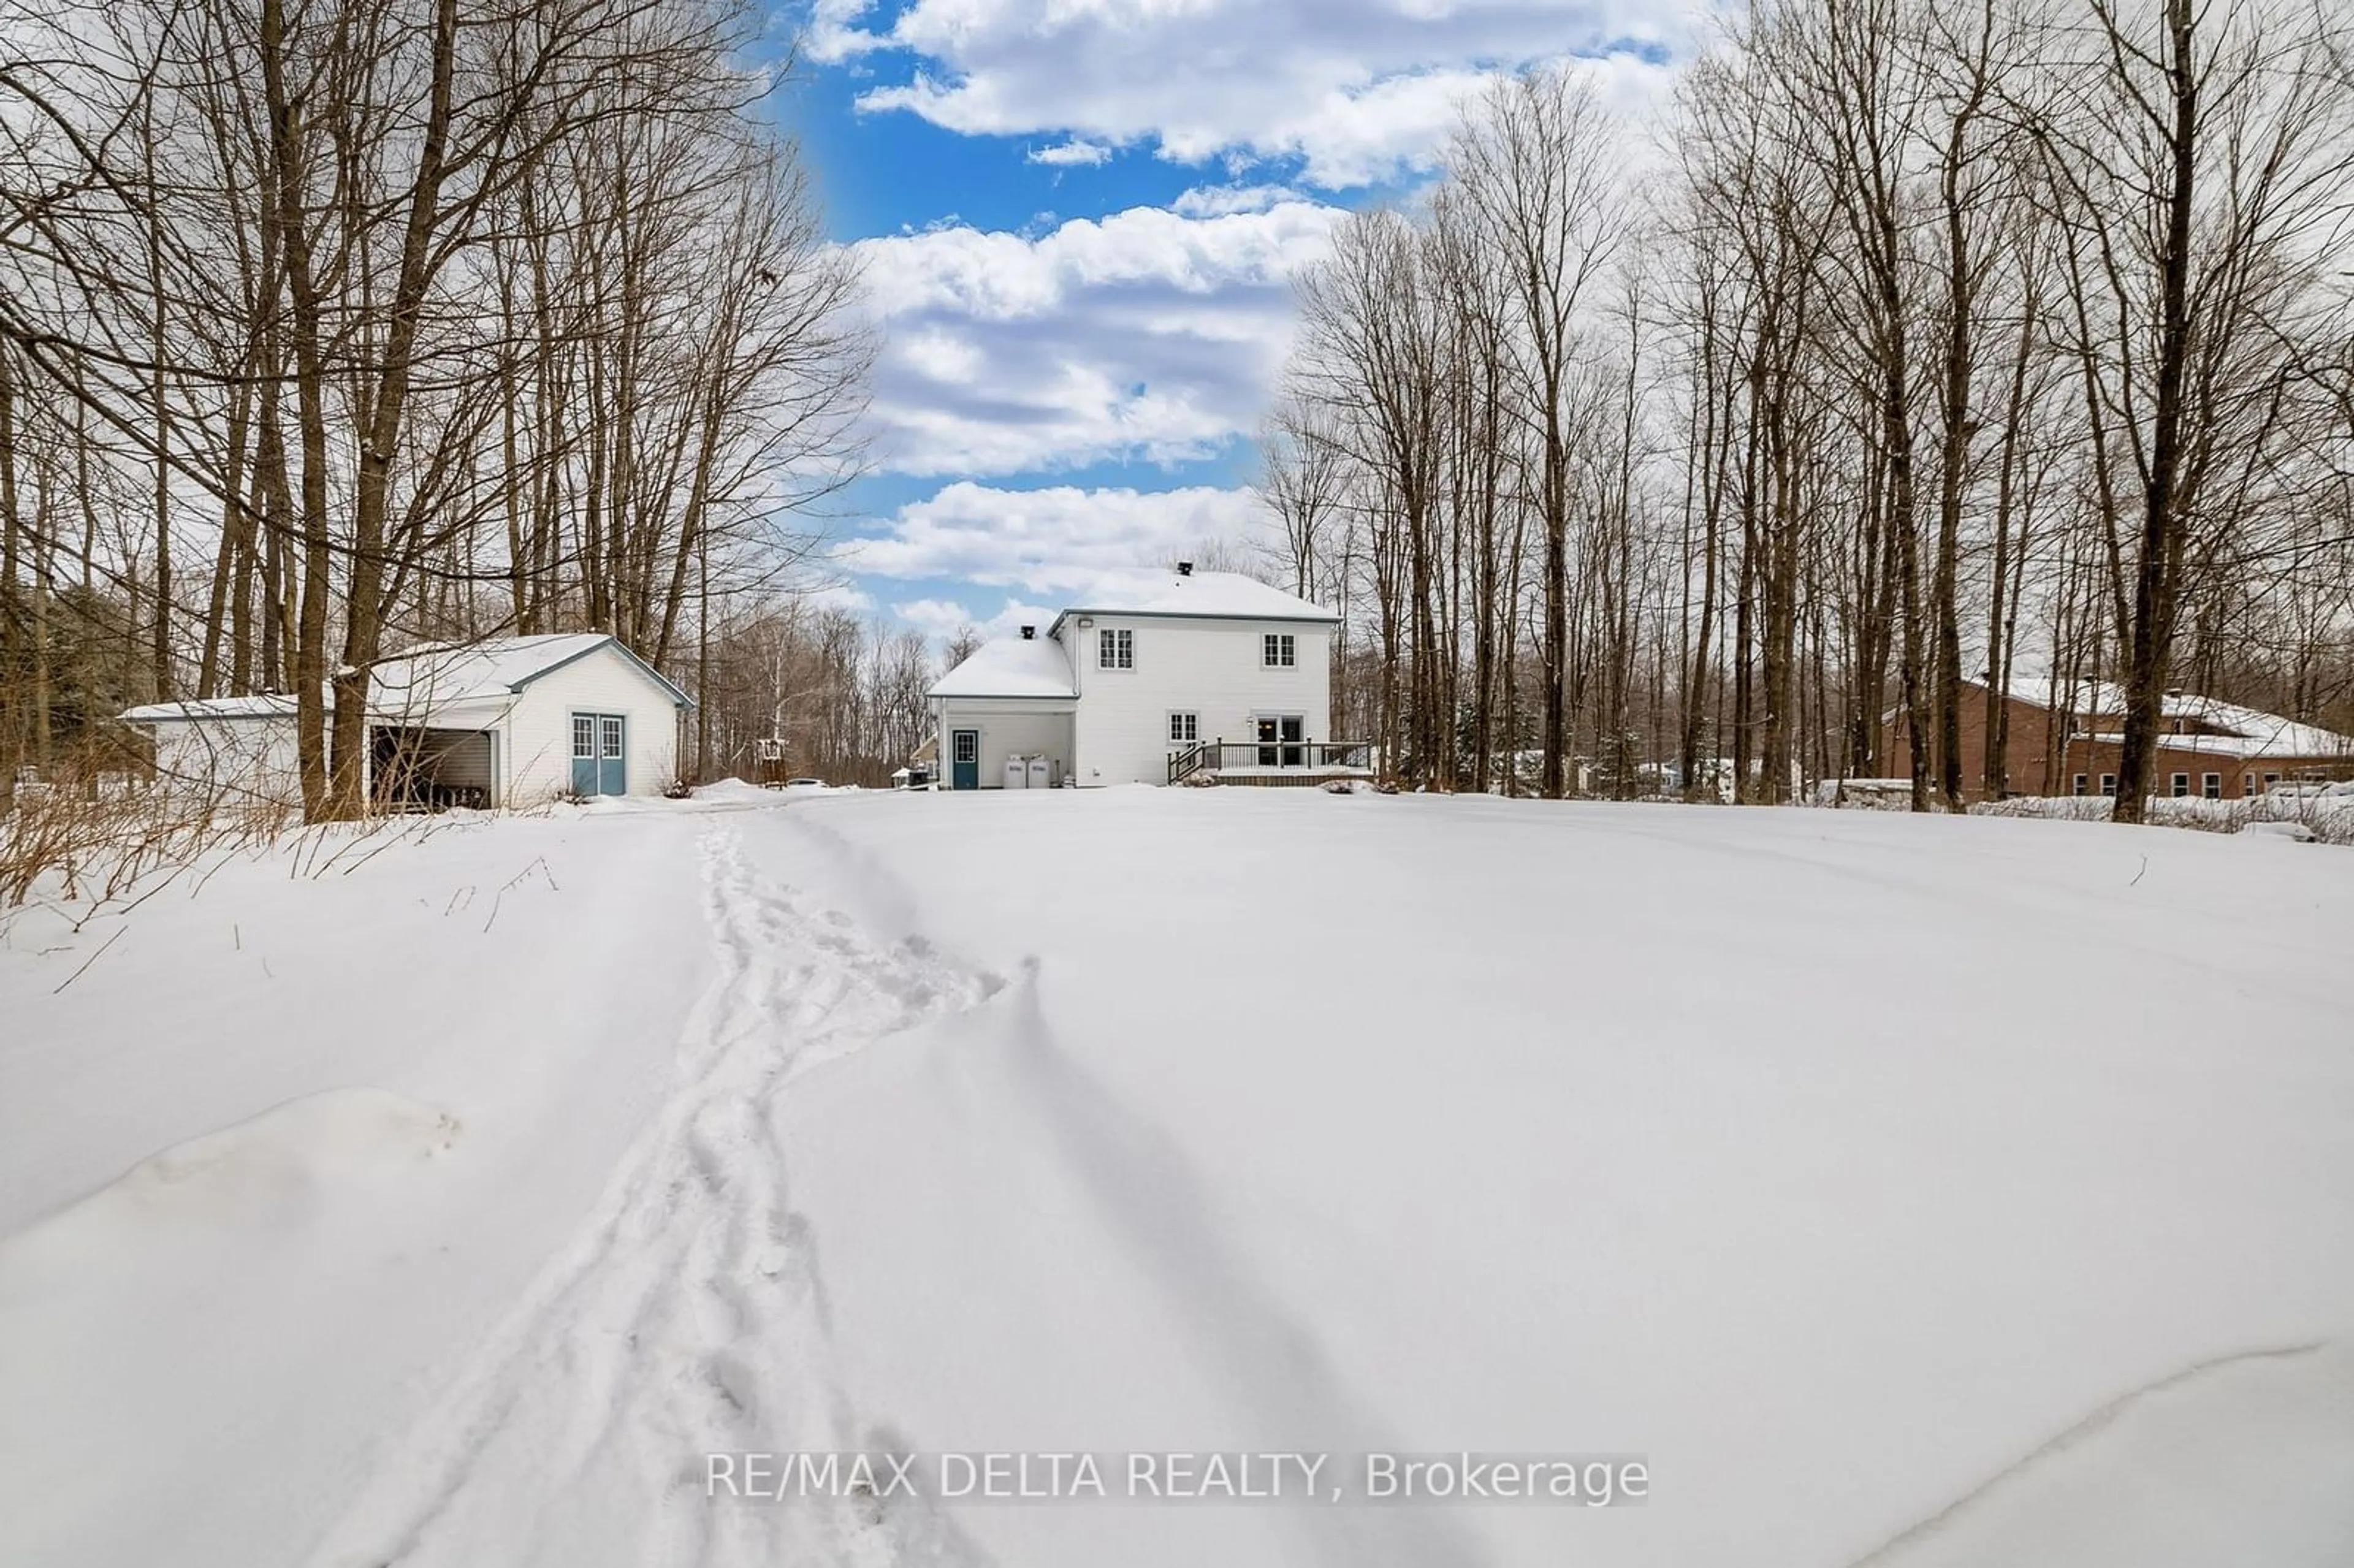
512 721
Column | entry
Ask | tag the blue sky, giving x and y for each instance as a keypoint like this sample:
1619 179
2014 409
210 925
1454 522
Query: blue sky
1079 220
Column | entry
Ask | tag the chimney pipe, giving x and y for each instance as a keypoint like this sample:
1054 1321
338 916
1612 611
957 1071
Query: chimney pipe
1029 633
1185 568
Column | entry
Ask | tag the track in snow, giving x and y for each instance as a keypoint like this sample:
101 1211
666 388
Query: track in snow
689 1316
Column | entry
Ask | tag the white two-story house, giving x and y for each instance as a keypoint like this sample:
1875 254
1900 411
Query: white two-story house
1154 678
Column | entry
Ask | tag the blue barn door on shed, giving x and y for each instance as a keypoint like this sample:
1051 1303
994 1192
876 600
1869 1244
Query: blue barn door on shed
584 754
600 754
612 755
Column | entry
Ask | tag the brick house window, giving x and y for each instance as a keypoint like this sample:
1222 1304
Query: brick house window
2212 786
2181 785
2109 784
2271 780
2247 783
2081 784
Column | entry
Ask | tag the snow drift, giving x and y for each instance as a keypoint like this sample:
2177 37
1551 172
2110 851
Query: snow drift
1907 1191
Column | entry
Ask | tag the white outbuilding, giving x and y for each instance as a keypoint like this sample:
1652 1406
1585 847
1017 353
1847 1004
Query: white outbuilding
512 721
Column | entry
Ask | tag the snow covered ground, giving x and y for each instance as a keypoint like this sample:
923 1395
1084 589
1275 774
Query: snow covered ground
1905 1191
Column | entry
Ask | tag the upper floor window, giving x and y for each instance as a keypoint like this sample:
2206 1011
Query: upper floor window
1115 649
1282 651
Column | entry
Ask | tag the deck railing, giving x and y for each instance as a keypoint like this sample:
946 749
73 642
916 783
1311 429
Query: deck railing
1270 756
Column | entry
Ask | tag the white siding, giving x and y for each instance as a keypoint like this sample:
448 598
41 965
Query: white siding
1009 726
1211 667
536 742
251 758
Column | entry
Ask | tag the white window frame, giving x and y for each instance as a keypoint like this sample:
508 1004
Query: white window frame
2083 784
2211 786
1184 728
2181 785
1278 651
2109 785
1114 647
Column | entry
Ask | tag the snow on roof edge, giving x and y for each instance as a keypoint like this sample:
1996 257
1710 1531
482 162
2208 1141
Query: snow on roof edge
1010 667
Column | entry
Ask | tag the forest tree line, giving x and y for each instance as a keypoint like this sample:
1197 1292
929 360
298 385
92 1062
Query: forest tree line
1927 346
332 326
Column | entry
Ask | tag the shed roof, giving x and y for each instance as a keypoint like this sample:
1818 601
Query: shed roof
430 677
439 674
263 706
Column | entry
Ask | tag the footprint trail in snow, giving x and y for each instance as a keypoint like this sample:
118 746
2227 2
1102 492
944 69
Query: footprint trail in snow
689 1316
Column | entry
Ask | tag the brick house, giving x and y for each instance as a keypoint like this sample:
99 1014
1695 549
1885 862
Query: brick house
2059 742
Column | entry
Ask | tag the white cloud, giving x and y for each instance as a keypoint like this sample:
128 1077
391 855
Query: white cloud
1220 201
1050 542
937 354
833 33
835 593
1359 91
941 618
1147 335
1072 154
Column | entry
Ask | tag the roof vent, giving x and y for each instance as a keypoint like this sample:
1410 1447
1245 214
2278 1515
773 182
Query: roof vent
1029 633
1185 568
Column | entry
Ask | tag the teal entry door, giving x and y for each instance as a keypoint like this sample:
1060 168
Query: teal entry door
964 766
600 752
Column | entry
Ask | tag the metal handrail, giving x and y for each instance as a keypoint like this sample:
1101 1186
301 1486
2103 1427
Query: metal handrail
1288 756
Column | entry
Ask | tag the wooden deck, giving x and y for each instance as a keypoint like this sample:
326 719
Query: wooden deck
1272 763
1281 778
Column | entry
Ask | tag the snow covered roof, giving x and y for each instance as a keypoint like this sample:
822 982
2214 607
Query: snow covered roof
2254 731
1010 667
2225 729
432 676
444 675
1225 595
268 705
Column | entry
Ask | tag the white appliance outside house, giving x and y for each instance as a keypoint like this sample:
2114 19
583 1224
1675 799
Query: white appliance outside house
1042 772
1017 772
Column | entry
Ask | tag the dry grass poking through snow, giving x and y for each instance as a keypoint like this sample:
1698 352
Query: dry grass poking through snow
82 850
100 840
2323 818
